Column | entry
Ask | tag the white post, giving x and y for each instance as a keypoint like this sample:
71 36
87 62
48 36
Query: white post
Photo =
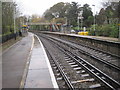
66 20
94 18
81 17
66 25
119 34
78 22
14 20
81 22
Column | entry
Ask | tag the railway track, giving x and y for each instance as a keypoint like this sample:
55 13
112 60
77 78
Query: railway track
107 58
72 75
60 74
98 53
102 64
79 65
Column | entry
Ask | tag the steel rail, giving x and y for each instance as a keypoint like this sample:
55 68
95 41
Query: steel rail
68 82
93 56
108 81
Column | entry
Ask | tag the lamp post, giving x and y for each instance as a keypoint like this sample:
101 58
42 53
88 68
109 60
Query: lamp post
78 20
80 17
119 34
14 20
65 24
66 20
94 19
79 14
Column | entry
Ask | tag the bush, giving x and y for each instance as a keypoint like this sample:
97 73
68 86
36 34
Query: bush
109 30
115 31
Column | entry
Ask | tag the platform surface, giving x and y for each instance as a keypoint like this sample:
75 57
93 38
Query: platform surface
14 60
40 74
87 36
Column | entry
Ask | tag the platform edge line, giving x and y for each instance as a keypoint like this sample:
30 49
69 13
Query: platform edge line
55 85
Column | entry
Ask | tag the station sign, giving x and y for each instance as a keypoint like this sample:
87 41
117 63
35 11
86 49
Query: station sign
24 25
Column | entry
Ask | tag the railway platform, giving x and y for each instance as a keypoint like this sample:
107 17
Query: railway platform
14 60
40 74
105 44
110 39
25 65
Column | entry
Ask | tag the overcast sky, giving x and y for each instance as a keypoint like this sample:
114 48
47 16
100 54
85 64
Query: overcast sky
29 7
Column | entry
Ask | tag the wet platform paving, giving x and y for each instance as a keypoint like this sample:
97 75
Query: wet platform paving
14 60
40 74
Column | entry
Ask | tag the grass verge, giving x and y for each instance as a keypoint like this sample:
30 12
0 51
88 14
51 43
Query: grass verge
9 43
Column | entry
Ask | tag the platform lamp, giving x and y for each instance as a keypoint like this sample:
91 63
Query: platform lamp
94 18
78 20
66 23
79 14
14 20
81 17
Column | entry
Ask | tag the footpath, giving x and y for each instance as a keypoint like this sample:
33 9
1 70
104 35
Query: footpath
14 61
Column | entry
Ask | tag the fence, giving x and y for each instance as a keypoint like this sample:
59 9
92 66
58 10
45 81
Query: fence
7 37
